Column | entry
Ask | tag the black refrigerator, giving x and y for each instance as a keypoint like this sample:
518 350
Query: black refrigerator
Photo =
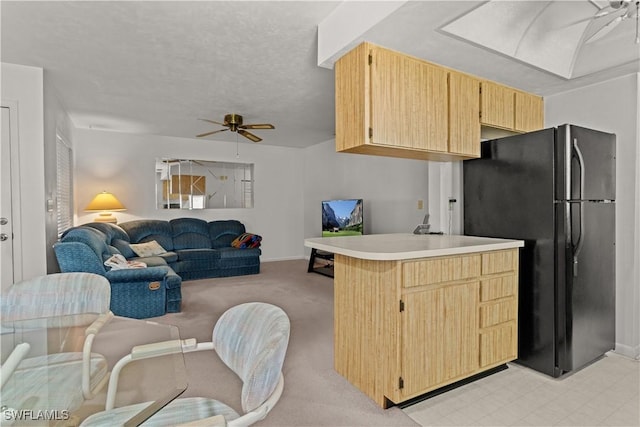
554 189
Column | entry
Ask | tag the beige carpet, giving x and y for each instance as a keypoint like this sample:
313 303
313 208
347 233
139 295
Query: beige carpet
314 394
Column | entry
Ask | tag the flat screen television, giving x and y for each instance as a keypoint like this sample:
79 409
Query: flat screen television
342 218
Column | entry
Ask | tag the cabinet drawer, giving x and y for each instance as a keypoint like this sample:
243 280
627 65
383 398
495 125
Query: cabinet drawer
499 345
437 270
499 261
499 312
499 287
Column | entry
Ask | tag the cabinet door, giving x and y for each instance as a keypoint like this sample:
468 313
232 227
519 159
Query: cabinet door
497 105
409 102
352 98
529 115
464 115
499 344
439 336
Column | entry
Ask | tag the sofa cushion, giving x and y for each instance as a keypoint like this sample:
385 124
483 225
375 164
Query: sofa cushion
112 231
223 232
147 249
154 261
190 233
193 254
91 237
78 257
124 247
146 230
227 253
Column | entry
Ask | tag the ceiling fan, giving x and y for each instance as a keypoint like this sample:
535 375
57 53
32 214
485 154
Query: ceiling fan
607 18
233 122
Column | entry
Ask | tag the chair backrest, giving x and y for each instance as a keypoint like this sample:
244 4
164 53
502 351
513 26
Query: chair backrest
190 233
58 294
223 232
252 340
78 257
146 230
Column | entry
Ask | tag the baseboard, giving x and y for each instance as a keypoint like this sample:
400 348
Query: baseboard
293 258
628 351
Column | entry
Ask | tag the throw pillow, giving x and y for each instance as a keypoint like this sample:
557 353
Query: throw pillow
247 240
147 249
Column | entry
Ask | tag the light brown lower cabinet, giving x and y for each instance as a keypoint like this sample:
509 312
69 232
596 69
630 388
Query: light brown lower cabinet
404 328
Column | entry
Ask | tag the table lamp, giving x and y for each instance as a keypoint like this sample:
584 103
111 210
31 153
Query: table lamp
105 203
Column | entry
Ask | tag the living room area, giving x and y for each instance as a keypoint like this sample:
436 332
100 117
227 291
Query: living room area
111 152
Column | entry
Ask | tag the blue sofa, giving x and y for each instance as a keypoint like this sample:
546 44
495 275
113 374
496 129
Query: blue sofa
196 249
193 249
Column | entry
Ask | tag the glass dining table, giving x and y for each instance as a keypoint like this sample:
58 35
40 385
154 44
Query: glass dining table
55 370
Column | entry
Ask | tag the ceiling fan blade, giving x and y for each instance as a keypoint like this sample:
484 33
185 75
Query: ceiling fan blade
210 133
258 126
249 135
596 18
605 11
212 121
603 31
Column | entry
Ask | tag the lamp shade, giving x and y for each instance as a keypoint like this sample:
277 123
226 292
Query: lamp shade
105 202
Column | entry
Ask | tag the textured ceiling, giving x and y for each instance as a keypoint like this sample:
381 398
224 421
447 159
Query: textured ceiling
155 67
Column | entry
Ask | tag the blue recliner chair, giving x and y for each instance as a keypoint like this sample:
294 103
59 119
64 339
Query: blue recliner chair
138 292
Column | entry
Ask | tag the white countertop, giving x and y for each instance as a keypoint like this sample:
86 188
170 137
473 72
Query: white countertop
391 247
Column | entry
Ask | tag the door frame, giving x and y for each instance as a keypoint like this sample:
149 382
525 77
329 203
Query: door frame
16 209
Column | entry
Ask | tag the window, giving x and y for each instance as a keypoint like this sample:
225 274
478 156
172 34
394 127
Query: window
64 190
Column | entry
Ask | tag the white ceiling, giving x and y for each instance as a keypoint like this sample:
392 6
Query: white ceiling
155 67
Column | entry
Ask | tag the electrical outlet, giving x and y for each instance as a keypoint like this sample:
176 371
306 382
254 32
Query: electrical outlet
420 204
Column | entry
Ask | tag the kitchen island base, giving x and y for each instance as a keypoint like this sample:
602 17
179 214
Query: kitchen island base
403 328
444 389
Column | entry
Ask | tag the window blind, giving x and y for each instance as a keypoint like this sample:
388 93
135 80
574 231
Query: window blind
64 190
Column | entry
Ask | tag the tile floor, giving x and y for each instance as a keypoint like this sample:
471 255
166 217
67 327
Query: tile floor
605 393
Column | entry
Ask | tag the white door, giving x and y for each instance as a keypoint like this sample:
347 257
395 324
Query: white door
6 217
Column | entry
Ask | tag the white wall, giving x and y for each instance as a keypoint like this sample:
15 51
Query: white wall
612 106
56 122
289 184
390 188
124 164
23 86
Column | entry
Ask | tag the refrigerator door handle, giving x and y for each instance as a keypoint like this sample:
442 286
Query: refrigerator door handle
577 247
580 243
580 157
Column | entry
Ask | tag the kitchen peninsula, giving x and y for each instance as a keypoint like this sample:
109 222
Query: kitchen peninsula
414 313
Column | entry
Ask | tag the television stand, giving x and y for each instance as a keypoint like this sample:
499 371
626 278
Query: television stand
325 268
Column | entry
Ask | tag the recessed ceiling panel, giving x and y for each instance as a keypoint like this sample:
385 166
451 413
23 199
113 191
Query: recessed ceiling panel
545 34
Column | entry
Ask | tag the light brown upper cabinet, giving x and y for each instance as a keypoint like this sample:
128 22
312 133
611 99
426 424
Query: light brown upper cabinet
409 105
509 109
464 111
529 112
392 104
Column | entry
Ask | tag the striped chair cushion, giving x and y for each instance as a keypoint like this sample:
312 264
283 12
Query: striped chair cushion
179 411
52 382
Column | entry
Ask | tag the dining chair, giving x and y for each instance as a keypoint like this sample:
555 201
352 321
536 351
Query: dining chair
251 339
48 369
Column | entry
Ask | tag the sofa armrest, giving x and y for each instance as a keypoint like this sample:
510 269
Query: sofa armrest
139 292
150 274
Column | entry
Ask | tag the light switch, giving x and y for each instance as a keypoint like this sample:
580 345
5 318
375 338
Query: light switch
420 204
